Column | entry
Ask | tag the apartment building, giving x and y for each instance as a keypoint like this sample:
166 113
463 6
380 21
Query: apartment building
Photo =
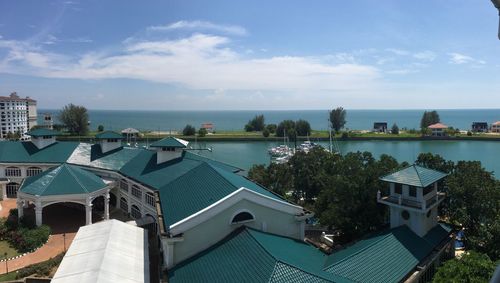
17 114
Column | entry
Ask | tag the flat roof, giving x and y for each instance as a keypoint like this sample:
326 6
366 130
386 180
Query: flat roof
108 251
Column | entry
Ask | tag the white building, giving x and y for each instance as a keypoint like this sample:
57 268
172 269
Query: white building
17 114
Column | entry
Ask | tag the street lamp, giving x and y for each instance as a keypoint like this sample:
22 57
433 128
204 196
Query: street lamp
64 239
6 265
497 5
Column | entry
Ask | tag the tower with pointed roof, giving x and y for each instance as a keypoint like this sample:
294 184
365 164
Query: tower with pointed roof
413 198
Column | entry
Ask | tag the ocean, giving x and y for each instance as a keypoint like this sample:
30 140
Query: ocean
117 120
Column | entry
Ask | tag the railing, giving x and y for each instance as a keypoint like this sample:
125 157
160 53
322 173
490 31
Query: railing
411 203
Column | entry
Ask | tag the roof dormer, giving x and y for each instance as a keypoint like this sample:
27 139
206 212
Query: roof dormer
168 149
42 138
109 141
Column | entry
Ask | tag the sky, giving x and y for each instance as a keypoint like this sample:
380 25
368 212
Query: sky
231 55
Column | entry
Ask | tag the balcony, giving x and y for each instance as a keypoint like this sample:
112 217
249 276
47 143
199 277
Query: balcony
419 205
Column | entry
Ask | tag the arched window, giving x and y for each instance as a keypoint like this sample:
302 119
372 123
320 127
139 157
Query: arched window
135 211
124 185
150 199
33 171
136 192
242 217
12 189
124 205
12 172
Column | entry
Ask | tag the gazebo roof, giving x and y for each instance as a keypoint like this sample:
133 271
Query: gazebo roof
414 175
62 180
108 135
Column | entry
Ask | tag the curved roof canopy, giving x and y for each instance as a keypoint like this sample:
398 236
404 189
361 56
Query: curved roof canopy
62 180
43 132
170 142
108 135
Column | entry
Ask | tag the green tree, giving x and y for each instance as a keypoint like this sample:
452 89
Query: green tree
337 118
429 118
75 119
278 178
395 129
100 128
256 124
202 132
303 128
265 133
271 128
474 203
471 267
435 161
188 130
286 126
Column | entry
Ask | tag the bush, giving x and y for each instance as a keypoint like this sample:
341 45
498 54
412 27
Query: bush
25 240
271 128
395 129
188 131
265 133
469 133
100 128
40 269
345 135
202 132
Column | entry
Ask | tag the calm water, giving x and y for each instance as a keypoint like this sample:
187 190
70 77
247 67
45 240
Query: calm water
235 120
245 154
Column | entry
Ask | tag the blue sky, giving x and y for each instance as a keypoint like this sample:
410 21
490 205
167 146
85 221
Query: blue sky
178 55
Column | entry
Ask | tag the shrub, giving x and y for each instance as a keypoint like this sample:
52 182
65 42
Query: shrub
469 133
24 239
265 133
202 132
12 223
100 128
345 135
40 269
271 128
188 131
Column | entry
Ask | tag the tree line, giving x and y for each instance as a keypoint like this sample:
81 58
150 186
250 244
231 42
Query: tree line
288 128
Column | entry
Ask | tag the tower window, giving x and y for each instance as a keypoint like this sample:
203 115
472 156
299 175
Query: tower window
413 191
242 217
398 189
405 214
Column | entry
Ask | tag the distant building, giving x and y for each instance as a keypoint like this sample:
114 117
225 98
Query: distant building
17 114
48 122
495 127
380 127
480 127
209 127
438 130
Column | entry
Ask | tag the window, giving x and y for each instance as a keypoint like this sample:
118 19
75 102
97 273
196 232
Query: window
12 189
405 214
428 189
136 192
124 185
150 199
413 191
33 171
124 205
168 149
135 211
112 140
398 189
242 217
13 172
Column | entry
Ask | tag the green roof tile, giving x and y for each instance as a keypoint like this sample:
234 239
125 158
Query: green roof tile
27 152
62 180
170 142
90 155
43 132
437 234
108 135
414 175
248 255
384 257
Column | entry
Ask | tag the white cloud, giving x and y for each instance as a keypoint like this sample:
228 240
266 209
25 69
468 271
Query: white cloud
458 59
398 51
199 61
425 55
201 26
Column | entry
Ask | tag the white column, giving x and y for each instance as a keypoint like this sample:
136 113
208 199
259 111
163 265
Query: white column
20 209
168 253
88 212
106 206
38 213
4 191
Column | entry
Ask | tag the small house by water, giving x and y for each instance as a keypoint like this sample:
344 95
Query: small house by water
438 130
495 127
208 126
380 127
480 127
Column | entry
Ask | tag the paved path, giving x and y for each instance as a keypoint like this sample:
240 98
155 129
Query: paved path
61 219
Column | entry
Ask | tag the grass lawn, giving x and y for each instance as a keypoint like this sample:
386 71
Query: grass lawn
7 277
6 248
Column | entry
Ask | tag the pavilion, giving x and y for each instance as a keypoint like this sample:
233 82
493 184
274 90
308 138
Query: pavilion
62 184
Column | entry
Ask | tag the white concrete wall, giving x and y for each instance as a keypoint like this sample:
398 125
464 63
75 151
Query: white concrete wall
109 146
164 156
215 229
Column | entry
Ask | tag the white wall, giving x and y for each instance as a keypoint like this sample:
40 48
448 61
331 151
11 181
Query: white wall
40 142
215 229
109 146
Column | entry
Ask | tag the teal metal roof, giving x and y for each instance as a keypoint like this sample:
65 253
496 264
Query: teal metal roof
169 142
108 135
40 132
199 188
90 155
62 180
27 152
437 234
384 257
248 255
415 175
